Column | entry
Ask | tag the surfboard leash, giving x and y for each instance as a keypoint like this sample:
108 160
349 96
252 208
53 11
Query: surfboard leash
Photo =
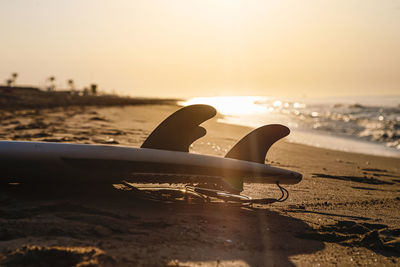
285 193
205 194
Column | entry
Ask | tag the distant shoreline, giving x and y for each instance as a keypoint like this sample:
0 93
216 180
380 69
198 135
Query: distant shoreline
17 98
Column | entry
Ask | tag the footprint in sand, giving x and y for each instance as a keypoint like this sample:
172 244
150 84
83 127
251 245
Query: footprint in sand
376 237
97 119
32 125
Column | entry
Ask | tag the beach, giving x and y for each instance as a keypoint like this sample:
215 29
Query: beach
343 212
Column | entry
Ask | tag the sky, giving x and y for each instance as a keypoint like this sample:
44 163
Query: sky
184 48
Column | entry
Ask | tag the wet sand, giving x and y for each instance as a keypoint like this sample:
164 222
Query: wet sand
344 212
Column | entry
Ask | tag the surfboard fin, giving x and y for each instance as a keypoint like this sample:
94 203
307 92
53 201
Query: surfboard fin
255 145
181 129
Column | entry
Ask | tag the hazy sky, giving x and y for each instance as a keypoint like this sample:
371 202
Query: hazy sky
205 47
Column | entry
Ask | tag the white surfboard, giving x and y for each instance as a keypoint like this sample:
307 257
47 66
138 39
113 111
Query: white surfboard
164 153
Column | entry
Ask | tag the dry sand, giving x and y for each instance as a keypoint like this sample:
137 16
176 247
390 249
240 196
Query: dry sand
344 212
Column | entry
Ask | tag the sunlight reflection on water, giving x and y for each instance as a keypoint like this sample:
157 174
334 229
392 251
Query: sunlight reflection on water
232 105
337 125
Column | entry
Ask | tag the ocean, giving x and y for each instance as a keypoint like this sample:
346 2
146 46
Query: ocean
360 124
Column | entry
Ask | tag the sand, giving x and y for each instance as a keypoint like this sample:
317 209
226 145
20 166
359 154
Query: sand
344 212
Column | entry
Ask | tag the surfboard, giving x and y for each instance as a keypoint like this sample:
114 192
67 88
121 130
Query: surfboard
163 154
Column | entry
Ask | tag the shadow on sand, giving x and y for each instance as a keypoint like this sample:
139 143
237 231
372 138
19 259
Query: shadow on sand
358 179
376 237
109 226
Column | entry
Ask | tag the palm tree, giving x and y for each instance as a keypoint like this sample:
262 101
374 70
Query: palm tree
71 85
52 86
93 89
12 80
14 77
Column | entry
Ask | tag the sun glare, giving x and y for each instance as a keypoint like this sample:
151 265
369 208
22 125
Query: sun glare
231 105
